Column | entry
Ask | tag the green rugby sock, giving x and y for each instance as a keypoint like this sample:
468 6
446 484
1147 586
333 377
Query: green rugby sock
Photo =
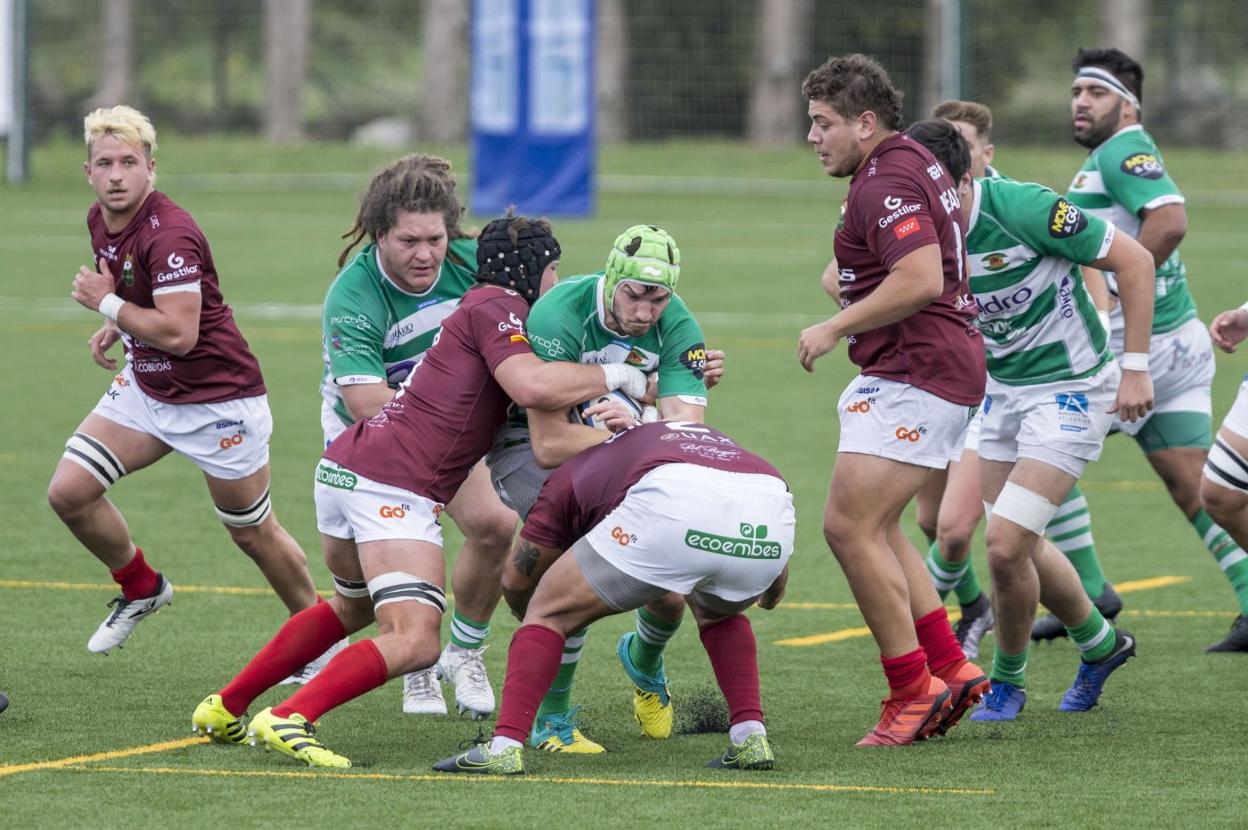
1230 557
467 633
958 577
559 697
1094 636
645 651
1070 531
1010 668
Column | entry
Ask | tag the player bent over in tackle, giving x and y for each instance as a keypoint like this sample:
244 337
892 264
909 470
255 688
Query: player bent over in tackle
190 384
907 316
380 489
627 313
662 507
1053 390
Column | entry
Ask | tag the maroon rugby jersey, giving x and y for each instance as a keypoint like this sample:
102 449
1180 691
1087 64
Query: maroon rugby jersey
446 415
585 489
163 250
901 200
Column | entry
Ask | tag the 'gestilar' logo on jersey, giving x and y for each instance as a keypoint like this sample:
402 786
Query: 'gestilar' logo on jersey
891 203
1066 220
754 545
177 268
1144 165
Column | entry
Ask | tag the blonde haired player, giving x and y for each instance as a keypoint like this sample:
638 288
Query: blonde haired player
190 383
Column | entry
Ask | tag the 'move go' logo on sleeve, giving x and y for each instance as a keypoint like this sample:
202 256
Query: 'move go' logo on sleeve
754 545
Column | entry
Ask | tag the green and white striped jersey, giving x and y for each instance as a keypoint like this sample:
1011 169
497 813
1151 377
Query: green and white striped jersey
1120 178
1038 320
372 330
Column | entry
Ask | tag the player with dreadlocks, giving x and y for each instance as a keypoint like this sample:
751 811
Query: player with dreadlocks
381 488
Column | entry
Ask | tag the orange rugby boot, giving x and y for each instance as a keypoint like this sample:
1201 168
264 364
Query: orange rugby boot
908 719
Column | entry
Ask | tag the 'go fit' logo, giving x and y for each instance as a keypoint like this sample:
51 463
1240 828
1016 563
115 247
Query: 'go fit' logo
622 536
859 406
398 511
232 441
911 435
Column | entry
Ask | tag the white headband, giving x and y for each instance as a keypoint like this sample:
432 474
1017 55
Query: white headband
1101 77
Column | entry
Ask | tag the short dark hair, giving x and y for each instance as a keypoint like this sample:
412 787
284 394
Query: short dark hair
1118 63
970 112
946 143
852 85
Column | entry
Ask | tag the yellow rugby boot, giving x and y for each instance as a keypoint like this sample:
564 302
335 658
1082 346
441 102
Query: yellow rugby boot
293 736
212 719
652 705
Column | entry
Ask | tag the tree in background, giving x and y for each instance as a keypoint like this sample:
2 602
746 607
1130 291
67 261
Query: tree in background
776 114
287 24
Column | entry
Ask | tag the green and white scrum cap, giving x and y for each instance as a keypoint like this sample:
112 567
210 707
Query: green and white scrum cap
643 254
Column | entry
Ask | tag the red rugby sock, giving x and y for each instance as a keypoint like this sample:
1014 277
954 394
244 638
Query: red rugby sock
734 658
905 673
136 578
532 663
357 669
938 640
305 636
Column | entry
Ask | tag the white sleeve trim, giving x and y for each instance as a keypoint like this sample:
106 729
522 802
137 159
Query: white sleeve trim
356 380
1168 199
1108 241
180 287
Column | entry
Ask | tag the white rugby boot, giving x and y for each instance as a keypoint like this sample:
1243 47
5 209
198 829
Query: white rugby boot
466 670
313 668
422 694
126 614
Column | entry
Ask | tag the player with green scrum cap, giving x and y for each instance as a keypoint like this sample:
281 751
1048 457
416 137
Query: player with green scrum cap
628 313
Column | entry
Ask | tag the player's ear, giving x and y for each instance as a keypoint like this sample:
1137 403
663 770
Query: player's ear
990 152
866 125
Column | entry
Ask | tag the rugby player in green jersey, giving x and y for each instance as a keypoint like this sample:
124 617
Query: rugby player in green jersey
382 313
1053 390
949 508
1124 180
628 313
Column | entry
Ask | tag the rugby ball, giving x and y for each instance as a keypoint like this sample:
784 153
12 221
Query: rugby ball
577 413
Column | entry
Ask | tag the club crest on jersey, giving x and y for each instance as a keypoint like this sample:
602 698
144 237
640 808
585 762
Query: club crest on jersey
127 271
1066 220
1144 165
636 357
995 261
840 221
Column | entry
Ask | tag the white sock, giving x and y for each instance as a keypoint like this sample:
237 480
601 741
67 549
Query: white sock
738 732
500 743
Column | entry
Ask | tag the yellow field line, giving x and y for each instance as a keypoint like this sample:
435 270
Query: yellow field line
1150 584
110 586
863 631
543 779
1131 612
112 755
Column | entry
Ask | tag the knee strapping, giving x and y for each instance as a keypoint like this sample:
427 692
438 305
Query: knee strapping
397 586
349 588
248 516
97 459
1024 508
1224 466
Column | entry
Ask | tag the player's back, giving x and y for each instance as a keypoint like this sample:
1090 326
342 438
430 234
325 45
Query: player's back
445 416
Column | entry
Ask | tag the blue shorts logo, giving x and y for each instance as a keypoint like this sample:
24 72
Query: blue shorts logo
1072 402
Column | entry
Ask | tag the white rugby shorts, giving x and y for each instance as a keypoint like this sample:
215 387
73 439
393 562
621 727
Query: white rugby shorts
227 440
687 528
1180 362
1237 419
1063 424
901 422
350 506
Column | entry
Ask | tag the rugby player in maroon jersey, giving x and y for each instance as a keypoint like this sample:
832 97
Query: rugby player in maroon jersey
910 325
381 487
661 507
190 384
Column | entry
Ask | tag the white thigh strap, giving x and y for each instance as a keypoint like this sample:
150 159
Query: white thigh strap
1024 508
1226 467
248 516
350 588
397 586
97 459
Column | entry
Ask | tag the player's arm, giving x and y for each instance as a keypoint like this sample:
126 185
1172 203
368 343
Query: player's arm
99 343
1230 328
1094 279
555 438
915 281
1135 273
1162 229
172 326
364 400
536 384
676 408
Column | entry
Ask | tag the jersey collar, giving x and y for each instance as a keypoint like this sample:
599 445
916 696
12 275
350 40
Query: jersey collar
977 192
1127 129
382 270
